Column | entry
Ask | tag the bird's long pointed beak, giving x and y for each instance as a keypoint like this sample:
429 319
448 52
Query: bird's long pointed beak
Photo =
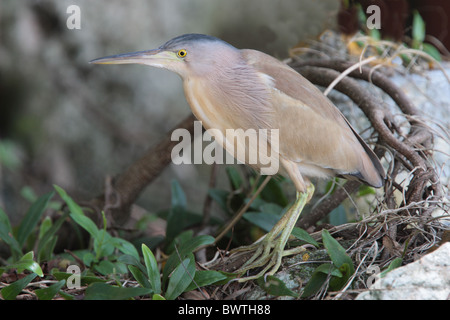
156 58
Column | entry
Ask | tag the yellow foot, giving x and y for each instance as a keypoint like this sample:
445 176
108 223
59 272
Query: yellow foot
264 257
269 250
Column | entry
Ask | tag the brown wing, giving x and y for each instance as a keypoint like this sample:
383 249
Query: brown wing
313 132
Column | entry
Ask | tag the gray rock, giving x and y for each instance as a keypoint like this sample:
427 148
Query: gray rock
425 279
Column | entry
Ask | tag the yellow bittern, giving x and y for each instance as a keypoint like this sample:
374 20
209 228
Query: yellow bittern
229 88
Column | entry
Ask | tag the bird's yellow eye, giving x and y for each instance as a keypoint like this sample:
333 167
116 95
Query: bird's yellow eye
182 53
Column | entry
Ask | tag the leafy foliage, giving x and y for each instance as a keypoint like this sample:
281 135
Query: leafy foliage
110 263
107 256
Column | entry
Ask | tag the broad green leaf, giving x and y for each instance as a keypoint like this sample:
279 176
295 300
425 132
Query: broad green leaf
105 267
261 219
139 276
336 251
432 51
274 286
152 269
77 214
10 292
328 268
178 219
183 250
129 259
125 247
181 277
103 244
27 263
157 297
304 236
183 237
32 217
319 277
7 237
338 216
103 291
50 292
337 282
340 259
418 27
205 278
314 284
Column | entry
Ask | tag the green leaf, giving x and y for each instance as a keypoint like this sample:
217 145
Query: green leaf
335 250
178 219
7 236
46 224
274 286
234 177
183 251
272 208
316 282
32 217
128 259
105 267
139 276
103 291
340 259
103 244
432 51
365 190
152 269
157 297
49 237
27 263
77 214
319 277
263 220
183 237
125 247
181 278
304 236
337 282
375 34
338 216
205 278
178 196
273 193
50 292
397 262
418 27
10 292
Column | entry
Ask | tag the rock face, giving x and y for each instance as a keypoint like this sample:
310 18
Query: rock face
425 279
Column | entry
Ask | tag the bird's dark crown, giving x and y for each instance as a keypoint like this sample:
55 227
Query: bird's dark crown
188 39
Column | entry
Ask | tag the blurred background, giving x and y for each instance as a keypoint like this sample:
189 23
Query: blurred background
66 122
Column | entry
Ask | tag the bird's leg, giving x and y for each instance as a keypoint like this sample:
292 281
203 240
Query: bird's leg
270 249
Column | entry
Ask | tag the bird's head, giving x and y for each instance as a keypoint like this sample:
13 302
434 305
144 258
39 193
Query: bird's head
189 54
